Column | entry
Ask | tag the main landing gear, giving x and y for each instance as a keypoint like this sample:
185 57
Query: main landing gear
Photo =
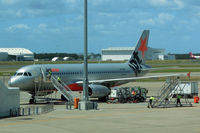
32 100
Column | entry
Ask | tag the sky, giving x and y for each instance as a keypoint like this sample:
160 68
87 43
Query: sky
50 26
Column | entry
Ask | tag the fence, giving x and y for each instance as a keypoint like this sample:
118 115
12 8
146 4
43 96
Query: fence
31 110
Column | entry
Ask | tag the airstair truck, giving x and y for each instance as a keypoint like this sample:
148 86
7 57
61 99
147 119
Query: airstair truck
186 89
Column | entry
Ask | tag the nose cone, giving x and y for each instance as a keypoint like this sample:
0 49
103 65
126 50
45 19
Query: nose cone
16 82
9 83
22 82
12 83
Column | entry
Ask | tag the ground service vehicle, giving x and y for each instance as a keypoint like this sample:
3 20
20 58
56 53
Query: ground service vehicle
128 94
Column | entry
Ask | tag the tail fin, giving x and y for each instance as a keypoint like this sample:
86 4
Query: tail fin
138 55
141 48
191 55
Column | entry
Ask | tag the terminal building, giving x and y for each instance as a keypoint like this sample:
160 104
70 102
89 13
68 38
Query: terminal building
16 54
124 53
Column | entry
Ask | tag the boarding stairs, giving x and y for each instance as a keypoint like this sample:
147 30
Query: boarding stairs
43 87
165 92
48 80
63 89
165 96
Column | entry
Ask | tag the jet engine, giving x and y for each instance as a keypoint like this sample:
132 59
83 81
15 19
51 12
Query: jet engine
98 91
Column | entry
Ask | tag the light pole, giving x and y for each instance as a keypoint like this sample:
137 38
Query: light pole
85 82
86 104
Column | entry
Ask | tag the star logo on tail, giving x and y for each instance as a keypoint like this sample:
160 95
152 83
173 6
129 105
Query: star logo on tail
143 46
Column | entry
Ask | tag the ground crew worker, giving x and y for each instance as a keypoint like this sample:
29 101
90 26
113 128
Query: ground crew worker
178 100
49 74
150 102
166 100
59 79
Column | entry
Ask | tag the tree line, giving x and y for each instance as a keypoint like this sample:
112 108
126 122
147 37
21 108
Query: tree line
72 56
92 56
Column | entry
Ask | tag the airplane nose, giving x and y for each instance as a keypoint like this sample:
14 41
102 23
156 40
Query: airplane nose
10 83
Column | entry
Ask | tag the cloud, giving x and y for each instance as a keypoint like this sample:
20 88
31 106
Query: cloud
99 26
179 4
34 8
158 2
147 22
164 17
42 26
16 27
70 1
161 18
105 14
171 4
8 2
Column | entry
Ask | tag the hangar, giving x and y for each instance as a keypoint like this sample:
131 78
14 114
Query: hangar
124 53
18 54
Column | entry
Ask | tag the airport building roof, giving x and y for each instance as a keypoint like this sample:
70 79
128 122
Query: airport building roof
16 51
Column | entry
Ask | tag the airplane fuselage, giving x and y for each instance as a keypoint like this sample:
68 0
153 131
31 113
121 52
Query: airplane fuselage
71 73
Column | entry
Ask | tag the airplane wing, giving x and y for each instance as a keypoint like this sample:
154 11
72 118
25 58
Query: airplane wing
131 78
159 68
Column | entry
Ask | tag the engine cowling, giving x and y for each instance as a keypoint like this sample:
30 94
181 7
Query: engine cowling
98 91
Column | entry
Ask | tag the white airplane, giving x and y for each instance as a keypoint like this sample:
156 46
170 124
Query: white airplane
55 59
101 77
193 56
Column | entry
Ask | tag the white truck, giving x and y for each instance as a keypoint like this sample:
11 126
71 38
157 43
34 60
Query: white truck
186 89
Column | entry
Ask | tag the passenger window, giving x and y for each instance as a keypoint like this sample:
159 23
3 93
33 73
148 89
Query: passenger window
29 74
19 74
25 74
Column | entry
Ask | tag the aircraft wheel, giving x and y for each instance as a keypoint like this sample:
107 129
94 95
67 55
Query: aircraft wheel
142 99
103 99
31 101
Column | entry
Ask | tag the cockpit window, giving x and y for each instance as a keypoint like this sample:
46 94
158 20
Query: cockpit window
19 74
25 74
29 74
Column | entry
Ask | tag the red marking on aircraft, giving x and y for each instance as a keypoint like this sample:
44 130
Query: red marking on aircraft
54 69
75 87
143 46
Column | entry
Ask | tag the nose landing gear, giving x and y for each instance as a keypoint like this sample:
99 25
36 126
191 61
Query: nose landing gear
32 100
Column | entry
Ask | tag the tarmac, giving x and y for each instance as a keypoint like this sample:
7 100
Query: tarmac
109 118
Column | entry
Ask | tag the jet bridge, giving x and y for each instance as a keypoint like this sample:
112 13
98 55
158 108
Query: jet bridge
165 96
